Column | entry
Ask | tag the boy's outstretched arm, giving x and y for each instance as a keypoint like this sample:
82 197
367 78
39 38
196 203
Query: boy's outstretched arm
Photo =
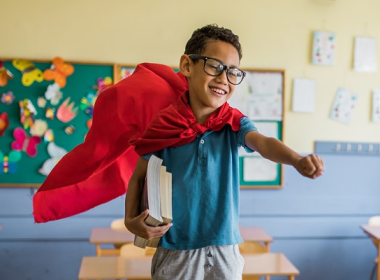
310 166
134 220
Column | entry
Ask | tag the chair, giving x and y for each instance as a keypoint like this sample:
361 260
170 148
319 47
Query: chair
374 221
250 247
118 225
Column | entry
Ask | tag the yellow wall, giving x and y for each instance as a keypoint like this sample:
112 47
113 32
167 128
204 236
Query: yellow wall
274 34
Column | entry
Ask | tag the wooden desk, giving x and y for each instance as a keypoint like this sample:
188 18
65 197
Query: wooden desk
109 236
256 234
113 267
374 233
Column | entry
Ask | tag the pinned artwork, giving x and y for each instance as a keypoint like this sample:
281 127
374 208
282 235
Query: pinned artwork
27 113
5 75
323 48
56 153
29 72
126 72
70 129
49 136
376 105
53 94
49 113
103 83
41 102
365 54
8 163
39 128
303 95
7 97
4 123
25 143
87 103
66 112
59 71
344 105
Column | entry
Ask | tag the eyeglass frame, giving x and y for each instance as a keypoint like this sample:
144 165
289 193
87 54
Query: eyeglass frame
225 67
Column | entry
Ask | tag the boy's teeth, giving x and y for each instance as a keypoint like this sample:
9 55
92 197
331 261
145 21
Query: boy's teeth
218 90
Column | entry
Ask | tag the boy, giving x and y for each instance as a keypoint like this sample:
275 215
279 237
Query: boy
198 139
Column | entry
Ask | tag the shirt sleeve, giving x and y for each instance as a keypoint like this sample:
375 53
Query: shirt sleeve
246 125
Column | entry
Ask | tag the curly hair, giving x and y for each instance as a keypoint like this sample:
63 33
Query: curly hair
200 37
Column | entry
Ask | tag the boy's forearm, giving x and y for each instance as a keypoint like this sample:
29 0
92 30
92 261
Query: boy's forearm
133 198
277 151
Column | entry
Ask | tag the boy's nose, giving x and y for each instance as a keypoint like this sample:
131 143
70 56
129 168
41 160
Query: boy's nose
222 78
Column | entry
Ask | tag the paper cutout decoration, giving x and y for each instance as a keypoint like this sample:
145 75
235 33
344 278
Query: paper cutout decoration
303 95
53 94
27 113
66 112
8 163
365 54
87 103
323 48
49 136
39 128
344 105
59 72
41 102
70 129
126 72
103 83
89 123
7 97
4 123
376 105
29 72
24 142
5 75
49 113
56 153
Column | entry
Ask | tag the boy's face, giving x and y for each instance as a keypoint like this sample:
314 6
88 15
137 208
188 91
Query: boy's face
206 92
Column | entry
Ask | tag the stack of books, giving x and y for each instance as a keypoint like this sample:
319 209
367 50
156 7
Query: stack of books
157 197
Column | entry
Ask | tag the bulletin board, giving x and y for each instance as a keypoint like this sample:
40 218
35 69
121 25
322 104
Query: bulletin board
86 79
261 98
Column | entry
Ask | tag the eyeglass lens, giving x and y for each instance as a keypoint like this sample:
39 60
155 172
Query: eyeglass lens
215 68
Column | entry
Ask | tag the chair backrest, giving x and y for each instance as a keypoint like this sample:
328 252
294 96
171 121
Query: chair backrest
374 221
118 225
248 247
132 251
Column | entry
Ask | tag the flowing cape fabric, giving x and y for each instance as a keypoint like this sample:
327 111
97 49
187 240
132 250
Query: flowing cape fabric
99 169
176 125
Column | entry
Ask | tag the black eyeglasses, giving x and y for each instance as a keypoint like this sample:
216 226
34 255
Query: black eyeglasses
215 67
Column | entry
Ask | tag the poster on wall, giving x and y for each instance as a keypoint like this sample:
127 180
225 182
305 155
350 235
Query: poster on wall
344 105
303 95
365 54
376 105
323 48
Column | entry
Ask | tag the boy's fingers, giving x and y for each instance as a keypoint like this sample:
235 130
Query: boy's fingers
143 215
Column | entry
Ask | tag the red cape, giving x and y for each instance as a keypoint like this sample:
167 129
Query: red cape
99 169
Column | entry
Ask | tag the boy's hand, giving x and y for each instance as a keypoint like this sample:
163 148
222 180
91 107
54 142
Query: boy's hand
138 227
311 166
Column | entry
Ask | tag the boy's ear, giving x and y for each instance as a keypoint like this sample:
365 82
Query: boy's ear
185 64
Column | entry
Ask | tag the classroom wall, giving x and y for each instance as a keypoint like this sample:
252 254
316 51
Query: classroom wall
315 223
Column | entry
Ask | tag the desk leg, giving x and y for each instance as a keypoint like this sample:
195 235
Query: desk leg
98 250
268 250
291 277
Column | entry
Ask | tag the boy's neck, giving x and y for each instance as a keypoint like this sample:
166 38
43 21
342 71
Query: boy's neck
201 113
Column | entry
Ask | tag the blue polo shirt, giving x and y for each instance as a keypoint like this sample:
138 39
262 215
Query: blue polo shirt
205 189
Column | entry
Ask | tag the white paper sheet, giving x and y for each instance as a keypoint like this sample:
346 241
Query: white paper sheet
344 105
304 95
376 105
365 54
323 48
259 169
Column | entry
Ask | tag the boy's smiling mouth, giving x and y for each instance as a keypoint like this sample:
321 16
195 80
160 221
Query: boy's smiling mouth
218 91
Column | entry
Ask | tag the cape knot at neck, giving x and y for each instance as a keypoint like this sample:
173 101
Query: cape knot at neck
198 128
